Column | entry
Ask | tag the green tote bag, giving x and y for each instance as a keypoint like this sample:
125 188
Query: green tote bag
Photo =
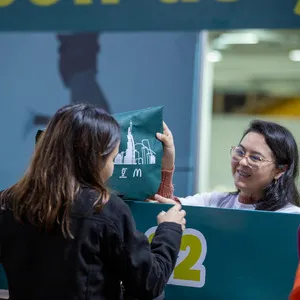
137 172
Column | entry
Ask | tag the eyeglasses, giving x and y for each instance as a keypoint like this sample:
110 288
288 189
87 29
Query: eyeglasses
254 161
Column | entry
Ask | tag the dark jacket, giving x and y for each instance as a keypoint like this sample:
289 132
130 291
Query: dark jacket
107 250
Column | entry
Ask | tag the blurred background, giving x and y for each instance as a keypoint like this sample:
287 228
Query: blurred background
256 71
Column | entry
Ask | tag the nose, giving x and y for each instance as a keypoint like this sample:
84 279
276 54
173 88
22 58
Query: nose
244 161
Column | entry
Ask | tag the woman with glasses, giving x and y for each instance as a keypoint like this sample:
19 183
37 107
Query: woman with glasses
264 169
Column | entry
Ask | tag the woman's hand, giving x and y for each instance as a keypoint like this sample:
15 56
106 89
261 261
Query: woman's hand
163 200
168 159
174 214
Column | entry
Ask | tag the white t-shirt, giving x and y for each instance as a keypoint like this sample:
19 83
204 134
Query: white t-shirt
225 200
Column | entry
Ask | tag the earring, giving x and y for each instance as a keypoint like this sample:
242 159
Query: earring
275 181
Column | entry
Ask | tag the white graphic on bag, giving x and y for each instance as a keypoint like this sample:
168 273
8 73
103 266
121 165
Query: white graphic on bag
123 171
136 153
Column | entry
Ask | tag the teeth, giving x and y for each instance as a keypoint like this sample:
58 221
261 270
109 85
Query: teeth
243 173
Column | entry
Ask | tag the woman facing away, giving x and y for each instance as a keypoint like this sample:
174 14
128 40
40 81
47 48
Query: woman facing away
264 168
63 235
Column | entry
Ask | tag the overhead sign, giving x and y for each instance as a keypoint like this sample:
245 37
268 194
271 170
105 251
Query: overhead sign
137 15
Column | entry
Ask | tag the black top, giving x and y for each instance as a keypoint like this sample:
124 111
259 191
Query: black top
106 250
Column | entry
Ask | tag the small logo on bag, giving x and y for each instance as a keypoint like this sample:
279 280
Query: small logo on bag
123 171
137 173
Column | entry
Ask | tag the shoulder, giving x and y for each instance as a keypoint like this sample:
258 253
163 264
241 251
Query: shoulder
118 214
115 206
212 199
85 201
290 208
112 213
6 200
112 220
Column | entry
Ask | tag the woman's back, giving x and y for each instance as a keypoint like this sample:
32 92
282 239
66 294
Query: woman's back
105 250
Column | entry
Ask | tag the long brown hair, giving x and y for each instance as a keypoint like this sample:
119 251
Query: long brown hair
70 153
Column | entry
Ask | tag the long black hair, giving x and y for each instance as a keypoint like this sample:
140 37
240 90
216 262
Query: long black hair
284 147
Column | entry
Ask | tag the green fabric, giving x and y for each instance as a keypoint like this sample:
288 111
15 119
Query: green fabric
137 172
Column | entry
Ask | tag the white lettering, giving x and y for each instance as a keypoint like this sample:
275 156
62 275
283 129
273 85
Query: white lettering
137 173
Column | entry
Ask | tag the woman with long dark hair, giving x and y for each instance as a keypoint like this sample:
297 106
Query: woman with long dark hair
63 235
264 167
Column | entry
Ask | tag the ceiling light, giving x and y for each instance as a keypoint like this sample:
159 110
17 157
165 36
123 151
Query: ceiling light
225 39
214 56
294 55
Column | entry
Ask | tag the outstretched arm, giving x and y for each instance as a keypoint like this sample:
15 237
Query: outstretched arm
168 159
166 188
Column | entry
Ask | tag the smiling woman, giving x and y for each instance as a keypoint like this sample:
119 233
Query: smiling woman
264 168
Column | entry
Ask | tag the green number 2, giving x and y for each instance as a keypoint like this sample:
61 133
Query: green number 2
189 270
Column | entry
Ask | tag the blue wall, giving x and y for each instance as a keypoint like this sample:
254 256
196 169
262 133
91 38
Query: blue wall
136 70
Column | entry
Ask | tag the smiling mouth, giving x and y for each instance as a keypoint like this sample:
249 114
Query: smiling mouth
243 174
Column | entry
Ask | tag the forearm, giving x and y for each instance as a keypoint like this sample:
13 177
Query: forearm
166 188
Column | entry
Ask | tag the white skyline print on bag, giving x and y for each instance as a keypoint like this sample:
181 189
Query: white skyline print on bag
136 153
